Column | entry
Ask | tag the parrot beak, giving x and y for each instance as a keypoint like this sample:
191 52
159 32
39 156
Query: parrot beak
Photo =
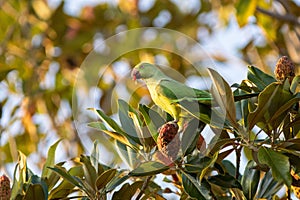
135 74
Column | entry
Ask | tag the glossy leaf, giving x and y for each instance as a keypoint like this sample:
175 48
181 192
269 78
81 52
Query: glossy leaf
127 190
64 174
89 170
191 186
95 156
121 138
259 78
269 186
190 136
278 163
105 178
126 121
148 169
50 161
223 96
271 99
226 181
114 126
35 191
152 119
250 180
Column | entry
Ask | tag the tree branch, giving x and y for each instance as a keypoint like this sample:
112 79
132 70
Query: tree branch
287 17
144 187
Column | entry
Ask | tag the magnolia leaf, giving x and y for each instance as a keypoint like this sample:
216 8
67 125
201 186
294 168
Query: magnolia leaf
50 161
250 180
278 163
149 168
105 178
223 96
259 78
191 186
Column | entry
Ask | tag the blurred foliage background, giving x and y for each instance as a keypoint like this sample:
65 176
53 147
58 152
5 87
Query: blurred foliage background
43 46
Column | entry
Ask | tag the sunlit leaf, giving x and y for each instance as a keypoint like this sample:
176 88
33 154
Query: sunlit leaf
226 181
223 96
149 168
268 187
259 78
191 186
271 99
50 161
190 136
278 163
100 126
250 180
104 178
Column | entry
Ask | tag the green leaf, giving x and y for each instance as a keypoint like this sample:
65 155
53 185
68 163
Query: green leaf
127 190
285 108
35 191
208 166
225 181
35 180
250 180
278 163
21 169
126 121
95 156
223 96
67 176
195 163
190 136
114 126
149 168
152 119
271 99
118 180
105 178
295 84
191 186
90 173
65 188
268 187
50 161
259 78
121 138
245 9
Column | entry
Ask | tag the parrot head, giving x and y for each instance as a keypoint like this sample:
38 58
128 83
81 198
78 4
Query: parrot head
144 71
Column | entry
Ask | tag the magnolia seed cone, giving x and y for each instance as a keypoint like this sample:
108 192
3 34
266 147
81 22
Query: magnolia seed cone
5 190
284 69
168 142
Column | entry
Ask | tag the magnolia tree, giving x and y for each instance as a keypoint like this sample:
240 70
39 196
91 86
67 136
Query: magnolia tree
67 94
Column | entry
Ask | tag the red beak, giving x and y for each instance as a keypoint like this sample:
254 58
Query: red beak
135 74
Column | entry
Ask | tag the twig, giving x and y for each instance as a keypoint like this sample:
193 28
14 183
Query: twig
287 17
238 161
145 185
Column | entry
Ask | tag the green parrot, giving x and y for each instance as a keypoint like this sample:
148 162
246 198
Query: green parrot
165 91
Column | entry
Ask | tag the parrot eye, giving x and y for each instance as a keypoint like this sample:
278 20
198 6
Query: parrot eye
142 66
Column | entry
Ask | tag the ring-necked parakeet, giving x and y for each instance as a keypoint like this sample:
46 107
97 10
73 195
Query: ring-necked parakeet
165 91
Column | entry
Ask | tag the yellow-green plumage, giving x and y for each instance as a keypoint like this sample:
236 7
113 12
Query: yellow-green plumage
164 90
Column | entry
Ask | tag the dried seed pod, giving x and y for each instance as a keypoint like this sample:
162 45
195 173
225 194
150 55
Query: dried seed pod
5 190
168 142
285 68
